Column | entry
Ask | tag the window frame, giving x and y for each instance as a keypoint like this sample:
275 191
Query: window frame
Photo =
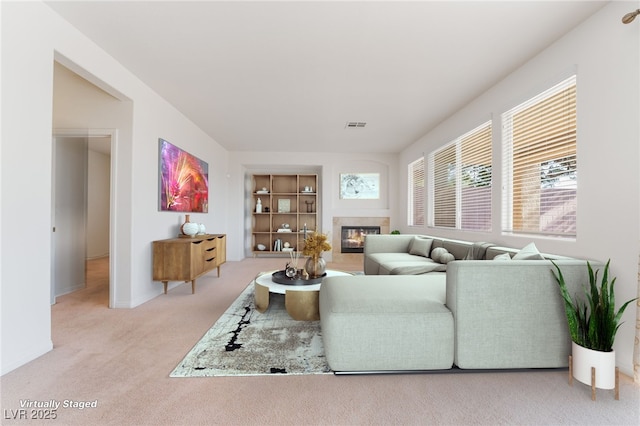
416 204
459 150
558 147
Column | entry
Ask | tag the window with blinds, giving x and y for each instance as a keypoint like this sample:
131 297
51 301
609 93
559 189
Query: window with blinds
460 184
540 165
416 193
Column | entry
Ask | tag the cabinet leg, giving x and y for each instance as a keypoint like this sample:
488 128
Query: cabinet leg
193 286
165 283
218 271
617 391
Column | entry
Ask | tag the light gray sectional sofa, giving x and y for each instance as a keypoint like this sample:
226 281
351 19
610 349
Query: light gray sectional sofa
475 313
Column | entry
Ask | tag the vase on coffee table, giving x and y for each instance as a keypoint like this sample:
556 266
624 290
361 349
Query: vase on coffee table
315 266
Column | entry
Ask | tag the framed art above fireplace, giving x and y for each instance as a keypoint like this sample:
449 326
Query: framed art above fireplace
359 186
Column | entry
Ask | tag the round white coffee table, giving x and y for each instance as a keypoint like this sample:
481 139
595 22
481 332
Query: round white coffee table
301 301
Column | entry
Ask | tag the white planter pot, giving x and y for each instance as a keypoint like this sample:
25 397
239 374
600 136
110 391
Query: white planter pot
604 363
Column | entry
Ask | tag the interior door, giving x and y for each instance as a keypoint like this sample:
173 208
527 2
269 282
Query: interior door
69 214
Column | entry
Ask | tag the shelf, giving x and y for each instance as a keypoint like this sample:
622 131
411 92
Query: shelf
283 192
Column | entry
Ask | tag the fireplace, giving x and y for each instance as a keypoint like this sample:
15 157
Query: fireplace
352 238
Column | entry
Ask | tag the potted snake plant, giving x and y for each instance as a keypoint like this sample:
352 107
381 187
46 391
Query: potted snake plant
593 324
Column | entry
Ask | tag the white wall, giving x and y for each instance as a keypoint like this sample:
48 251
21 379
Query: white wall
32 36
98 189
606 55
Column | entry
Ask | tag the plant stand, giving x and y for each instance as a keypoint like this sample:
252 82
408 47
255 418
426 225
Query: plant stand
593 380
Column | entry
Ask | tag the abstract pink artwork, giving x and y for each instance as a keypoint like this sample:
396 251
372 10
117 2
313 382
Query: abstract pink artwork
184 180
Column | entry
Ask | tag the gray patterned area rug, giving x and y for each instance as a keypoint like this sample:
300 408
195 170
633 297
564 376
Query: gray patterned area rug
244 342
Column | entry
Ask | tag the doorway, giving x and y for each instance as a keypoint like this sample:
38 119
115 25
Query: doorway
82 209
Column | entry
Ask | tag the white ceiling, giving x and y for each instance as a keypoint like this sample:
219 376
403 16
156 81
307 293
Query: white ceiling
287 76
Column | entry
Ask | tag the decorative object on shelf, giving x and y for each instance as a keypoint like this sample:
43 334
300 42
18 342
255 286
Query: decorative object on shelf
261 247
284 205
262 191
314 245
259 206
202 229
277 245
189 228
593 325
308 189
284 228
309 206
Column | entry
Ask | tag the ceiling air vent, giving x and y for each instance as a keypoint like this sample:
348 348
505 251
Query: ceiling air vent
354 124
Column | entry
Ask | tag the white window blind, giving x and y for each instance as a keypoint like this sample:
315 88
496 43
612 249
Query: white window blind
460 185
416 193
540 164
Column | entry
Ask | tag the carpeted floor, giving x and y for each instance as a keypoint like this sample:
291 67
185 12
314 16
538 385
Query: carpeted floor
245 342
122 358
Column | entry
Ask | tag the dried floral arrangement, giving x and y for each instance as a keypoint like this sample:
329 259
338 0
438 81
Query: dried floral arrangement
315 244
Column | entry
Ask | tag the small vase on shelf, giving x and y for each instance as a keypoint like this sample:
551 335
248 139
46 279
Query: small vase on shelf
315 266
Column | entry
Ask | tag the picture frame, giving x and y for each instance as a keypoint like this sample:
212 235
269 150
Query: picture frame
183 180
360 186
284 205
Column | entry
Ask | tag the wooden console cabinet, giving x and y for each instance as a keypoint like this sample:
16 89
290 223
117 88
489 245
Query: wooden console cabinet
185 259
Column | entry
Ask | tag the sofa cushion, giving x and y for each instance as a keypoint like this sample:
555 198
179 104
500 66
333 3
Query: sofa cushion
529 252
437 253
446 258
410 268
478 251
503 256
376 323
420 246
420 265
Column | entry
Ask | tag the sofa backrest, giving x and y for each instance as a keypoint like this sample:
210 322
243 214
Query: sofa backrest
458 249
511 314
494 251
382 243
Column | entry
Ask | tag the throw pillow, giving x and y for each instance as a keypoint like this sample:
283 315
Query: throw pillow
446 258
503 256
420 246
529 252
437 252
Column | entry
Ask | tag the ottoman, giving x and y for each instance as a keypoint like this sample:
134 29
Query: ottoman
376 323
